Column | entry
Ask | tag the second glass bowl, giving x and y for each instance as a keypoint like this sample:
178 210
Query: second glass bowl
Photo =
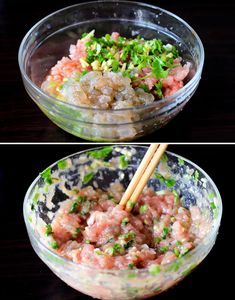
191 182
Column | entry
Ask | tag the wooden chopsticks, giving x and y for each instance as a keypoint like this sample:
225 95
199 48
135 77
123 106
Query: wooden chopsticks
142 175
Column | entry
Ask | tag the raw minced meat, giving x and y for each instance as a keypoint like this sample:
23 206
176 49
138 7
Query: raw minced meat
114 72
96 231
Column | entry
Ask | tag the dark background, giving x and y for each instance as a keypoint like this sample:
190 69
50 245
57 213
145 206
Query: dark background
209 116
24 276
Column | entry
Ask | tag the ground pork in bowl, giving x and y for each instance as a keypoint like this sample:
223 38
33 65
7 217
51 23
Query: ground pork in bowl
78 229
131 89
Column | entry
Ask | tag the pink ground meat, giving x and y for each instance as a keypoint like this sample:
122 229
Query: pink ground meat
96 231
109 87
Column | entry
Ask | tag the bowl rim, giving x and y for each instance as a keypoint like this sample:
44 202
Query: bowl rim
214 230
165 100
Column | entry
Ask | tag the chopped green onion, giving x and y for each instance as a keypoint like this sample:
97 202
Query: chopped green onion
211 195
131 266
54 245
74 208
84 72
196 175
46 175
130 204
98 252
62 164
157 239
81 199
165 232
212 205
129 244
164 249
177 252
102 153
180 161
124 221
48 230
128 235
143 208
35 198
88 177
164 157
178 243
154 269
115 249
110 197
115 65
176 197
78 230
123 162
158 87
144 87
52 84
167 181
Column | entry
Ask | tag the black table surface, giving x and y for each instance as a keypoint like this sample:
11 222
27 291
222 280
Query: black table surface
24 276
209 115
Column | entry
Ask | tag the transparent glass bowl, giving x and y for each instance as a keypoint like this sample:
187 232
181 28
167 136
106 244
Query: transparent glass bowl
191 182
48 41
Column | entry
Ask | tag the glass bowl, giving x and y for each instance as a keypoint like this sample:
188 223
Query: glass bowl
48 41
191 182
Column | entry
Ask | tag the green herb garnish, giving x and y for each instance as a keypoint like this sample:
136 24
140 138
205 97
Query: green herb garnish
143 208
130 204
88 177
46 175
123 162
131 266
124 221
128 244
144 87
211 195
177 252
74 208
196 175
52 84
78 230
167 181
84 72
176 197
48 230
98 252
158 89
175 265
180 161
102 153
164 157
165 232
164 249
115 249
178 243
54 245
212 205
62 164
158 68
128 235
154 269
157 239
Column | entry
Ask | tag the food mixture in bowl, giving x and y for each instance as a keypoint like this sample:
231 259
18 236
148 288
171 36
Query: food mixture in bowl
94 230
77 227
115 72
